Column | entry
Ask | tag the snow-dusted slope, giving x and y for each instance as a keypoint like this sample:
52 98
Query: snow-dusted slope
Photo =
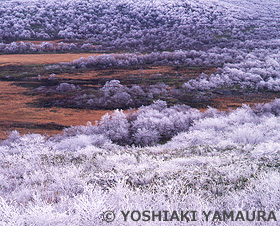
142 25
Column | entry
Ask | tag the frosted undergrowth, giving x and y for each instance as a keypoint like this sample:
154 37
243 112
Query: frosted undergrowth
223 161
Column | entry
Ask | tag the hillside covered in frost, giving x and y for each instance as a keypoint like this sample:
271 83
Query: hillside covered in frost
142 25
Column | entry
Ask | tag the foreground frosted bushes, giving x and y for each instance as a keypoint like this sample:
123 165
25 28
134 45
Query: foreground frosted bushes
258 134
158 123
223 162
148 125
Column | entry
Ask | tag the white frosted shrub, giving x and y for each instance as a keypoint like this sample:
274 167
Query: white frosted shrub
115 127
66 87
146 136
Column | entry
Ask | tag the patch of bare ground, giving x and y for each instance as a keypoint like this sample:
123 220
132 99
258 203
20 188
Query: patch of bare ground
128 76
52 58
225 103
17 114
144 72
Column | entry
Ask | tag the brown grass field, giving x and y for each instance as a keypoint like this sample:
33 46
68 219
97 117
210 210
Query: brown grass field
24 59
17 114
148 72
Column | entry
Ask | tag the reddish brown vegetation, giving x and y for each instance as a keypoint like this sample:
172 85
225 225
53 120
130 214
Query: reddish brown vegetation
17 114
24 59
